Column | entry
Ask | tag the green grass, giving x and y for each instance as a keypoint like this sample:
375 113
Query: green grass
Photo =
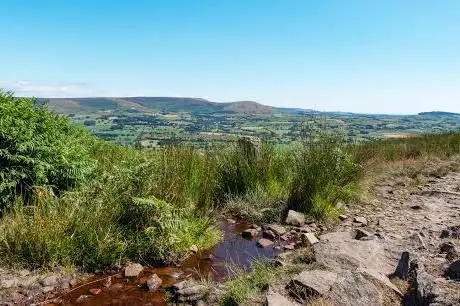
70 199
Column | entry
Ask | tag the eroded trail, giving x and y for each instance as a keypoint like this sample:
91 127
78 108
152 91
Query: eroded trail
417 219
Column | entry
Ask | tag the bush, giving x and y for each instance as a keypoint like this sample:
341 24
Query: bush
38 149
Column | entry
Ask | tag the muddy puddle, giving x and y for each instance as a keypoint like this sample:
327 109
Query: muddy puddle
214 264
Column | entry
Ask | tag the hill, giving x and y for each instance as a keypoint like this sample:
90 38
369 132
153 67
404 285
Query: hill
153 104
438 114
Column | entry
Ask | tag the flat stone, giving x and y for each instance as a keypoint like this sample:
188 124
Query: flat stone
312 283
133 270
276 299
361 220
339 250
95 291
264 243
305 229
309 239
382 279
250 233
277 229
154 282
295 218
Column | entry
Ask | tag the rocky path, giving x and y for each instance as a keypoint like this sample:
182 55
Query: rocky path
398 248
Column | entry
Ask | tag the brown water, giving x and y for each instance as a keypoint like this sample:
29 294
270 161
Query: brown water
233 250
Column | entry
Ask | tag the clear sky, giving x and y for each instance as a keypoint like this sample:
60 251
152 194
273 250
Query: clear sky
379 56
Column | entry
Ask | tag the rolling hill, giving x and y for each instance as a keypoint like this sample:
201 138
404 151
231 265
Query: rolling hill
153 104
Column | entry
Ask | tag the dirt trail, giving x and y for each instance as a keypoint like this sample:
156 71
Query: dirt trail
412 219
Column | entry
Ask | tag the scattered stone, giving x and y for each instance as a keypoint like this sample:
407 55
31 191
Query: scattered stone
295 218
269 234
250 233
277 229
49 281
133 270
360 233
290 246
191 293
453 271
416 207
309 239
276 299
305 229
312 283
361 220
194 249
446 247
285 237
256 227
451 232
47 289
231 221
402 270
264 243
343 217
95 291
154 282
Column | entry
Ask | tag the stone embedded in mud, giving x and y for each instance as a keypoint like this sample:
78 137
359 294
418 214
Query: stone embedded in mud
276 299
264 243
154 282
250 233
361 220
309 239
295 218
277 229
312 283
95 291
133 270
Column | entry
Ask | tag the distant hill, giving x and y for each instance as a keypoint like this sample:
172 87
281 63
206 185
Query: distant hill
156 104
438 114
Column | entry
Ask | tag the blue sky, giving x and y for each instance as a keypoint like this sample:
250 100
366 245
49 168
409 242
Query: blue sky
392 56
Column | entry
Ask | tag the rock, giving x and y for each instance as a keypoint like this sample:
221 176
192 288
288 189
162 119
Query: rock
339 250
343 217
361 220
305 229
194 249
449 249
453 271
360 233
47 289
82 298
290 246
264 243
231 221
402 270
351 288
295 218
250 233
154 282
309 239
107 282
426 288
191 293
451 232
133 270
255 226
416 207
312 283
380 278
95 291
49 281
277 229
269 234
276 299
8 283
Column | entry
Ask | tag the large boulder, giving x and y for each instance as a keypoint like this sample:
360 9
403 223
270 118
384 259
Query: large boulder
295 218
339 250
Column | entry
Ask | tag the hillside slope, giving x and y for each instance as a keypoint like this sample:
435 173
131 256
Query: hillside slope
155 104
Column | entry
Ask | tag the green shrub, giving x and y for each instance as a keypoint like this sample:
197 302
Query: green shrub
38 148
